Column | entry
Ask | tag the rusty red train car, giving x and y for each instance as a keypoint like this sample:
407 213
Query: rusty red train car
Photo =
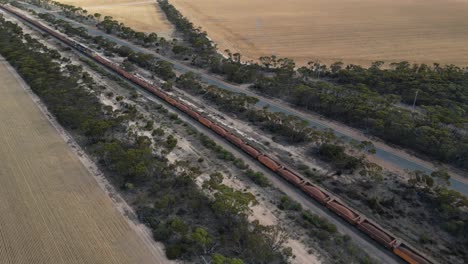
269 162
205 122
291 177
376 233
315 192
410 255
219 130
193 114
345 212
250 150
234 140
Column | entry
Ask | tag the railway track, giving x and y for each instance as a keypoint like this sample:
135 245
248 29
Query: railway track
323 197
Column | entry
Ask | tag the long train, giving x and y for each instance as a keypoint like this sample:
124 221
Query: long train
320 195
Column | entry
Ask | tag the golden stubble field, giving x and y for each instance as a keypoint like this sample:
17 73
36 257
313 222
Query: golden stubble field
52 210
143 15
355 31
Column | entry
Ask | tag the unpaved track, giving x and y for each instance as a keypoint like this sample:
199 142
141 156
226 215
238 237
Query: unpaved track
52 209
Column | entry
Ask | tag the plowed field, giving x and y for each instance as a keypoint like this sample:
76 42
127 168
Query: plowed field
52 209
355 31
144 15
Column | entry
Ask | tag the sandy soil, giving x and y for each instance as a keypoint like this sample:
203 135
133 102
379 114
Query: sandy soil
263 212
142 15
52 210
355 31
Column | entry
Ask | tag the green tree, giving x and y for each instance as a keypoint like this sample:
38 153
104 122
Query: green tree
97 16
442 176
230 202
202 238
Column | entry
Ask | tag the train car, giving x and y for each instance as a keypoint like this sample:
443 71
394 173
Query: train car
205 121
177 104
269 162
146 85
133 78
250 150
193 114
410 255
159 94
101 60
376 233
342 210
234 140
127 75
164 96
170 100
291 177
315 192
83 48
219 130
182 107
68 41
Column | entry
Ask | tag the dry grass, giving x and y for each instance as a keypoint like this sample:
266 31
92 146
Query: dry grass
355 31
51 208
144 15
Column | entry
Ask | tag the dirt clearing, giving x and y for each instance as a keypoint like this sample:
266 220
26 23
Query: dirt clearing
52 209
355 31
144 15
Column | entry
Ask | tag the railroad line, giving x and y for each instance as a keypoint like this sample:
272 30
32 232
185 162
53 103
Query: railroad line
323 197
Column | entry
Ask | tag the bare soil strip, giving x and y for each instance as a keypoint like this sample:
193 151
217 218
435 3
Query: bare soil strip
51 208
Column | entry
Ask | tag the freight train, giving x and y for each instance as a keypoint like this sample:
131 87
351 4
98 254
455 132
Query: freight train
320 195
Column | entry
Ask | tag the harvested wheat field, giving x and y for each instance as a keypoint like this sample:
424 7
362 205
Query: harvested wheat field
355 31
143 15
52 209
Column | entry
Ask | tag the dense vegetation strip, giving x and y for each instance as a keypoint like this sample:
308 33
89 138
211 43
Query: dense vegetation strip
436 129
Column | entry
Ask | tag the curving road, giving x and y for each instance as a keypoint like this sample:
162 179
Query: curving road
383 152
